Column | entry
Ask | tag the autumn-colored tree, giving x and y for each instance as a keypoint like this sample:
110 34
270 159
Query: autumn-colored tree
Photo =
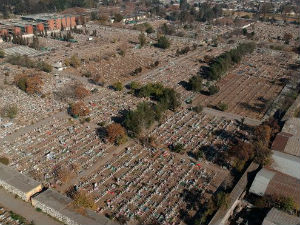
30 84
262 154
241 150
263 134
116 133
83 199
79 109
34 84
81 92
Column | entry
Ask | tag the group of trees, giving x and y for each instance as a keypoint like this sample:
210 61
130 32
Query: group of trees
29 84
63 37
188 13
196 84
257 149
25 61
219 200
225 61
148 112
284 203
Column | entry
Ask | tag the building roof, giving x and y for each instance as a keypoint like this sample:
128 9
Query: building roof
61 203
292 126
285 163
19 181
270 182
277 217
288 140
261 181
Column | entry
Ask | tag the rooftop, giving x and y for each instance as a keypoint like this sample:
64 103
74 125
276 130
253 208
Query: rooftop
16 179
286 164
277 217
61 204
269 182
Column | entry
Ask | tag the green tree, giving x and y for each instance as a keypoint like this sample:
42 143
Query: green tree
2 54
118 86
195 83
163 42
213 89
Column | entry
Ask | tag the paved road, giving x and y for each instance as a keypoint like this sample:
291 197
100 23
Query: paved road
25 209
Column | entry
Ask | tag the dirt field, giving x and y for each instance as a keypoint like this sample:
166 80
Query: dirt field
250 88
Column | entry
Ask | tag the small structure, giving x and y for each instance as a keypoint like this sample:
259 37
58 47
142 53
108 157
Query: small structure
17 183
277 217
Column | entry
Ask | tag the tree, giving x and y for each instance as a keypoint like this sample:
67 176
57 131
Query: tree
118 86
9 111
149 29
81 92
263 134
116 133
213 89
178 148
83 199
118 17
134 85
198 108
195 83
79 109
142 39
163 42
29 84
287 37
262 154
222 106
2 54
74 61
